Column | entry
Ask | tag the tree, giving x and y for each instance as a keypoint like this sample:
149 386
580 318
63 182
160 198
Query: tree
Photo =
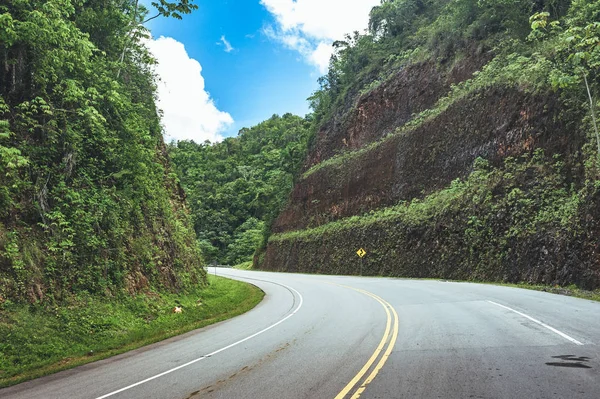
246 240
578 50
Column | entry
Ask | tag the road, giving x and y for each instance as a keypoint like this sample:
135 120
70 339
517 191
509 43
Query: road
348 337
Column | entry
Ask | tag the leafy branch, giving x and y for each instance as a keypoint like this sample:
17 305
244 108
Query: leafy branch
165 9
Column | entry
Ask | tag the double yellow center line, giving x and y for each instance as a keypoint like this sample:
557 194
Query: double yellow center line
390 327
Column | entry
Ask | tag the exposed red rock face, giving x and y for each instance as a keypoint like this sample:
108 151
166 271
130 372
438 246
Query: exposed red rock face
492 124
410 91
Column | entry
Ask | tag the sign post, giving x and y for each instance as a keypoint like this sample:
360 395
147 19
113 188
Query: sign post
361 254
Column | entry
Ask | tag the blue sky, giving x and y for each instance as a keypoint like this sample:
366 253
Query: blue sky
279 49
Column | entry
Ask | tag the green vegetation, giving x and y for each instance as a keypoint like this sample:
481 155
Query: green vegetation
500 189
523 221
88 202
405 31
237 187
560 52
42 339
244 266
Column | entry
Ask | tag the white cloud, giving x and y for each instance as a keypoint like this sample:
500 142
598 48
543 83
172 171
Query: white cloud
311 26
188 111
320 56
228 47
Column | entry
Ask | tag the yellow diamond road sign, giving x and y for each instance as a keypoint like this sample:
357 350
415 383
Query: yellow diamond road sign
361 252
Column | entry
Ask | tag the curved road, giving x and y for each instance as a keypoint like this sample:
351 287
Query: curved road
349 337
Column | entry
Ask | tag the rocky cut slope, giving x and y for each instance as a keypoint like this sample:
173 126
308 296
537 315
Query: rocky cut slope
467 166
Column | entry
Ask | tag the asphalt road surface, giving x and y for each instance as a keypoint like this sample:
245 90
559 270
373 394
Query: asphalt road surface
349 337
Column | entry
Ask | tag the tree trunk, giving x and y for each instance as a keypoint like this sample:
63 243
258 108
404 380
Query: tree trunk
593 111
133 23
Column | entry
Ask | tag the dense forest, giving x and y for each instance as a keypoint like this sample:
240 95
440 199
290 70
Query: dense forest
237 187
88 199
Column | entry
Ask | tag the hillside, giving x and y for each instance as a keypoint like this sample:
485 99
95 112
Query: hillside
88 201
454 139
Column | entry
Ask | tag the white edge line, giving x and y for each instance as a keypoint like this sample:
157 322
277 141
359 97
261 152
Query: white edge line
554 330
212 353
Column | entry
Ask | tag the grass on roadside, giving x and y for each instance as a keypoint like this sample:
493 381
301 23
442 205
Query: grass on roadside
568 291
39 339
244 266
571 290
